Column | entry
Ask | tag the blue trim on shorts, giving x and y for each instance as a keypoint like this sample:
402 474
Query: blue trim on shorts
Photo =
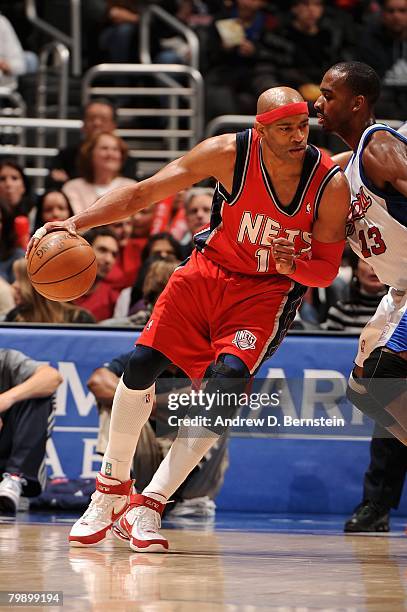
398 340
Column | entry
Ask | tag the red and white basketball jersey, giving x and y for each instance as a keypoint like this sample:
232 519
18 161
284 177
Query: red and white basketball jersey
241 221
377 221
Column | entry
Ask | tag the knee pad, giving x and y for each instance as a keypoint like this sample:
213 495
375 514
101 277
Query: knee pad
366 404
143 367
384 376
229 378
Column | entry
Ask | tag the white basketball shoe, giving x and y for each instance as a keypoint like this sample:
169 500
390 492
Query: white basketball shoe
109 502
140 523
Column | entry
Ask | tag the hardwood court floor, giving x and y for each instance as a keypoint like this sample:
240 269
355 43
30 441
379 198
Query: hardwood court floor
210 571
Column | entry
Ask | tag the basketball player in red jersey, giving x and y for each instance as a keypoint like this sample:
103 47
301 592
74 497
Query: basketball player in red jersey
230 304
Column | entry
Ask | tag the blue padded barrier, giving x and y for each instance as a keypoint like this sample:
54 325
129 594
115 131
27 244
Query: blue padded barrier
285 469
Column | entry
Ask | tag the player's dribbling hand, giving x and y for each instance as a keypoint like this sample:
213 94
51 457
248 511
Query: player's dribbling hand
67 225
283 251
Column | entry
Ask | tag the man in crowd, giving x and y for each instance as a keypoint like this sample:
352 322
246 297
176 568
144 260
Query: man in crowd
26 418
101 298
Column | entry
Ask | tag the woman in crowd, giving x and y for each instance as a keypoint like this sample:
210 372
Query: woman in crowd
32 307
9 251
161 246
101 161
53 205
15 189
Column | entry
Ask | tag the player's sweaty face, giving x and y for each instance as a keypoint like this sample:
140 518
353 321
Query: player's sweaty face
287 138
334 104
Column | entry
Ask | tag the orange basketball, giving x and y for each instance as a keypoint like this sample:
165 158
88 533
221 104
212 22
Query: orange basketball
62 267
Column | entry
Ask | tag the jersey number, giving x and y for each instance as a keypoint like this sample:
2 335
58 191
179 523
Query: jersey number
263 257
377 248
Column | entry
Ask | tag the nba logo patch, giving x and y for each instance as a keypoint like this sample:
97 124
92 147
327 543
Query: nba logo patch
149 325
308 208
147 398
244 340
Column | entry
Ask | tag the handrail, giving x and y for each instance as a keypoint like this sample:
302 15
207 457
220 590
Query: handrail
31 122
145 34
194 93
60 54
39 151
246 121
74 41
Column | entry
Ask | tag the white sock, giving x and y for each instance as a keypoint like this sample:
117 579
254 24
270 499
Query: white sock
187 450
130 411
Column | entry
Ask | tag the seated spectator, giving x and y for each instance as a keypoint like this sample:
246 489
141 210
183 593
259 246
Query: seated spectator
198 206
101 161
9 252
31 307
127 264
383 45
15 189
53 205
101 298
300 52
366 292
169 216
27 390
118 40
143 222
156 279
159 246
99 116
232 48
196 495
13 60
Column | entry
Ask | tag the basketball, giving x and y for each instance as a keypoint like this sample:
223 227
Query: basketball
62 267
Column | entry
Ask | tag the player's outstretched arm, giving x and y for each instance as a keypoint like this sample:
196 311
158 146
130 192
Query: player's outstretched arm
385 161
212 157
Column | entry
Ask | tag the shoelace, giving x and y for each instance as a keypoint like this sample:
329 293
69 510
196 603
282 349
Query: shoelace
148 520
99 505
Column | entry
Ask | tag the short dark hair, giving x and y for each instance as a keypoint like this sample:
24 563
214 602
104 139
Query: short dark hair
105 102
361 79
162 236
94 233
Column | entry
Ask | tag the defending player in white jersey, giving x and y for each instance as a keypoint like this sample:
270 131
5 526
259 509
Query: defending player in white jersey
376 169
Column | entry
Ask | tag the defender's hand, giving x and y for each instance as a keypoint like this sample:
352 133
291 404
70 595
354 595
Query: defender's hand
67 225
284 254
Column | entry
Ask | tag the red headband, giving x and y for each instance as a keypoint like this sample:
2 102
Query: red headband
297 108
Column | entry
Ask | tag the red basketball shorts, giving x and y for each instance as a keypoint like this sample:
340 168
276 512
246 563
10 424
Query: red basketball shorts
206 310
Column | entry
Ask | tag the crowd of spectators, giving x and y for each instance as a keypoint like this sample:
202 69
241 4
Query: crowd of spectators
246 46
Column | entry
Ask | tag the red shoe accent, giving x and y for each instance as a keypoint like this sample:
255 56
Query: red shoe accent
90 539
149 502
148 543
123 488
